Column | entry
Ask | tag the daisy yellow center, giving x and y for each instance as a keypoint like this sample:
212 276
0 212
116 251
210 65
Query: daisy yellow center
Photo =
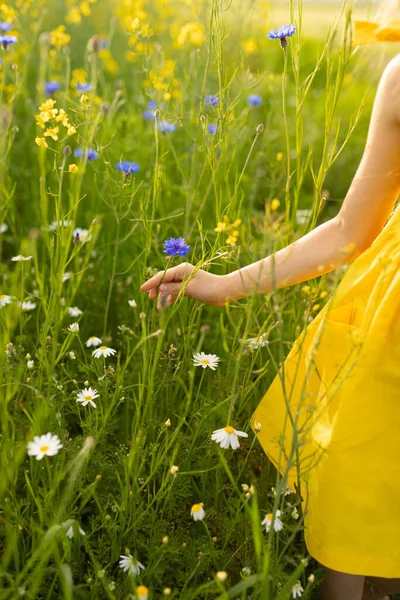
205 361
196 507
43 448
142 590
103 347
269 516
88 396
3 296
92 337
229 429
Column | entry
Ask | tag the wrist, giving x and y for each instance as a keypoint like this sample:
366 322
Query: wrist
234 286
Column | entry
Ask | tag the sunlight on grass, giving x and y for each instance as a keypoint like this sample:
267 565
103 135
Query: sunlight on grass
125 124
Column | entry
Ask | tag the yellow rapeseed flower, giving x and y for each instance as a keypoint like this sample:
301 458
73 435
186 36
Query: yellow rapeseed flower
279 156
47 105
275 204
52 132
74 15
41 142
191 33
85 8
42 118
220 227
250 46
63 117
73 168
71 130
58 37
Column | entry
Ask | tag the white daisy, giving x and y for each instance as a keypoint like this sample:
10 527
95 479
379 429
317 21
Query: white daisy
132 303
86 396
103 351
4 299
302 215
3 227
142 592
74 327
257 342
74 311
66 276
286 491
198 512
20 258
130 564
205 360
27 305
81 235
267 521
228 436
44 445
54 224
30 364
70 531
297 590
93 341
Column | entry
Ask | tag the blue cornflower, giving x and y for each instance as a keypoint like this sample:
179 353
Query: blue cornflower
213 100
7 40
165 126
212 128
254 100
282 33
127 167
6 26
149 114
90 154
50 87
176 247
83 87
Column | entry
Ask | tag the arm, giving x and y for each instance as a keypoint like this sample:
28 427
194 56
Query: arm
365 210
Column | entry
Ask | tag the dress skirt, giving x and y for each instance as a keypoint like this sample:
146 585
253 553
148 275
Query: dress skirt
330 420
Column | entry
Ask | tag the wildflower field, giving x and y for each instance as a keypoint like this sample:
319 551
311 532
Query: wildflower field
137 134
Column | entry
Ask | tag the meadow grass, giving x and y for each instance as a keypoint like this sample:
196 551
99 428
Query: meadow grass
112 481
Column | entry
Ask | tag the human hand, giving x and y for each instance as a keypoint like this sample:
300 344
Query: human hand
203 286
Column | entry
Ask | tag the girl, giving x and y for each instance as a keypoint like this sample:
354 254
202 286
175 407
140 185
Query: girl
346 364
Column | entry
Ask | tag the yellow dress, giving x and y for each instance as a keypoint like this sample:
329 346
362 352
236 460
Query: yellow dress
332 413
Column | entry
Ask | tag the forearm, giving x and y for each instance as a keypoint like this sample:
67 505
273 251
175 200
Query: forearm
323 249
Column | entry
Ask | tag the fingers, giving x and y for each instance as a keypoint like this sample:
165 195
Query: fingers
172 274
171 288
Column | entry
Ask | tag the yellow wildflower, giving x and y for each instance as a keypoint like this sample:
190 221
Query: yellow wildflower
74 15
71 130
41 142
63 117
84 100
85 8
220 227
232 239
42 118
275 204
191 33
52 132
8 13
59 37
73 169
250 46
47 105
279 156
